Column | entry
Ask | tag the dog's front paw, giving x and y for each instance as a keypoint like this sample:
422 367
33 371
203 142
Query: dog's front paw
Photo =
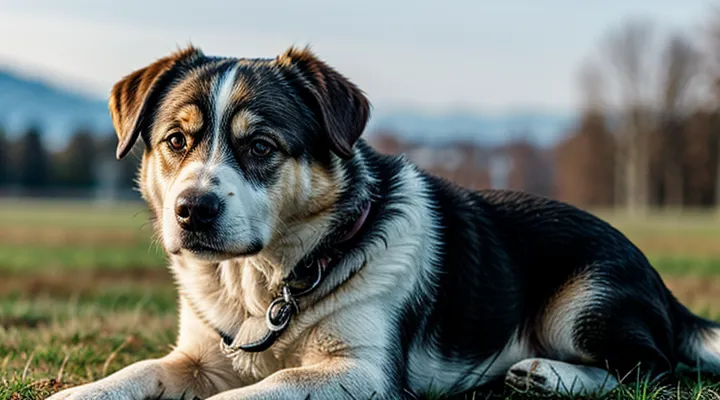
90 392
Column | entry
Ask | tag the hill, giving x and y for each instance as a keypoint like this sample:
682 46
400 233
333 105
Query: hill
28 101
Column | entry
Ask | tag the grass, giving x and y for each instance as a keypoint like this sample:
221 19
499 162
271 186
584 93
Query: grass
686 387
84 292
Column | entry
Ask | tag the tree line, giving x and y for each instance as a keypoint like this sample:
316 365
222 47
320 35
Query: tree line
87 162
649 132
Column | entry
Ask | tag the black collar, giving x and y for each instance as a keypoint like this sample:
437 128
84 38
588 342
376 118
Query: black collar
300 282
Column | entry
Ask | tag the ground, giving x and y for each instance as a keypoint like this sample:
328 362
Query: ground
84 291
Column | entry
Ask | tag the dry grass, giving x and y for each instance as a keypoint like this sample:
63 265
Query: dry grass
701 294
59 236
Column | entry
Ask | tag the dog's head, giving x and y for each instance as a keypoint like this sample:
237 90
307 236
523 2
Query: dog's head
240 154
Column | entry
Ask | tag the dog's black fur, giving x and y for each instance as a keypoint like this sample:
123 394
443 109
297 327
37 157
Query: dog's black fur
506 253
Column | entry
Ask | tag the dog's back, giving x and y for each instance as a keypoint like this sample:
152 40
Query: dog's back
524 276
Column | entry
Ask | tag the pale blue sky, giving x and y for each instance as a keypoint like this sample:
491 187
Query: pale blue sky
477 55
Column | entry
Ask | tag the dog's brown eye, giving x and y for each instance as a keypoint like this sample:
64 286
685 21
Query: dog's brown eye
177 142
261 148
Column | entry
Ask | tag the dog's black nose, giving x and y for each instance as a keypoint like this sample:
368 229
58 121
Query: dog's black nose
196 210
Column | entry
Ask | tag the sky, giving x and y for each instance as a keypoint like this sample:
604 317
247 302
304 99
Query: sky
481 55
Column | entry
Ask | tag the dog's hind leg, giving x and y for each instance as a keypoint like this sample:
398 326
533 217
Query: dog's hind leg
544 377
610 315
596 330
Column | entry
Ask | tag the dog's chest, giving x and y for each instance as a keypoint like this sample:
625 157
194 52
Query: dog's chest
229 298
214 293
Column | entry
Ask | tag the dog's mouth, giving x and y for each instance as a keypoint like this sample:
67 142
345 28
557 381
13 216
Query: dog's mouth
215 252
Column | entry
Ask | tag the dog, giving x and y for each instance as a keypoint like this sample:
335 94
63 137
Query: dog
310 266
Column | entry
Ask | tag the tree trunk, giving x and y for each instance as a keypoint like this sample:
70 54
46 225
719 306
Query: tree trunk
619 178
672 152
717 174
673 184
643 172
631 175
637 172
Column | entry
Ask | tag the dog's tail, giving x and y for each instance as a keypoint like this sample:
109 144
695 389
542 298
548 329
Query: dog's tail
698 339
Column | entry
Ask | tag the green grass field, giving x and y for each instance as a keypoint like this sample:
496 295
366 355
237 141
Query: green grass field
84 292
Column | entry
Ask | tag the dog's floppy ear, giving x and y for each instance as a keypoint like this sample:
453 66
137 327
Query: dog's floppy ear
132 99
342 108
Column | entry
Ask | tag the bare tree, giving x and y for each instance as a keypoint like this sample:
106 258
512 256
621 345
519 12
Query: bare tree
630 51
592 145
592 87
680 61
714 72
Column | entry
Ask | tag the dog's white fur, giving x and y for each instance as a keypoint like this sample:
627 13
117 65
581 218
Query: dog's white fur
705 348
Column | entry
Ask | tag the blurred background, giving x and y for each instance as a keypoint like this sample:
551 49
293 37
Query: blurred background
613 106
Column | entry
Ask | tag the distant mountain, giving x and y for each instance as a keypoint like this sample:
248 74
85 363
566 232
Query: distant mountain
28 101
58 112
541 128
